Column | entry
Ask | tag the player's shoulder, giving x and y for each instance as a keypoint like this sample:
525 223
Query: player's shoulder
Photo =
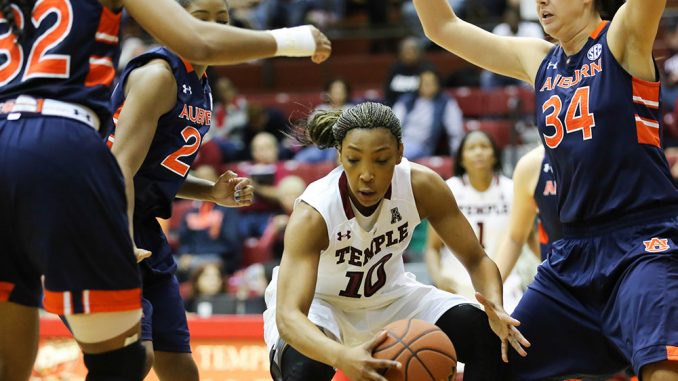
530 163
154 74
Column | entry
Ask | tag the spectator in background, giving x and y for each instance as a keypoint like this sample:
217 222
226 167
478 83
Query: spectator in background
208 233
426 115
207 283
669 88
265 119
229 120
512 26
403 75
265 171
288 13
412 22
337 95
289 188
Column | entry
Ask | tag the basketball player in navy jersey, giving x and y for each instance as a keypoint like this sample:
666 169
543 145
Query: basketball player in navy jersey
62 197
534 197
606 295
163 109
342 278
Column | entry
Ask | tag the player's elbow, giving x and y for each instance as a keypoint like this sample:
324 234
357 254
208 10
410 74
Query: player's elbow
283 319
200 51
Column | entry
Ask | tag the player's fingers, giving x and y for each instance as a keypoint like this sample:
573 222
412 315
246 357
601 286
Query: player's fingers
385 364
141 254
512 321
376 340
516 345
227 176
504 351
519 336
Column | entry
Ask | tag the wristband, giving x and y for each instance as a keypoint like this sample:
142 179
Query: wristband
294 42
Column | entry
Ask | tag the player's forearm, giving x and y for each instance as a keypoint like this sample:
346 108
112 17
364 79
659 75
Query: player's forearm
507 257
129 193
195 188
299 332
434 16
487 280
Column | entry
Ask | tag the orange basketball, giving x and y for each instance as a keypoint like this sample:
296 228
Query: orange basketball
425 352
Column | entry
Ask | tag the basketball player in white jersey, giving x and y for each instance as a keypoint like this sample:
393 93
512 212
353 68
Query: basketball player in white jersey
342 278
484 196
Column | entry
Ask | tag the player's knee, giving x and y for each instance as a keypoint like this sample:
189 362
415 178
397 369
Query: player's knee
150 356
661 371
126 363
290 365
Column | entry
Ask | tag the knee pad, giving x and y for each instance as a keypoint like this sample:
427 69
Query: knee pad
124 364
288 364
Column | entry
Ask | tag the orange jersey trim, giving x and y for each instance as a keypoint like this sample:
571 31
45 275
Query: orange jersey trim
101 72
646 93
599 28
647 131
109 27
671 353
93 301
5 290
543 236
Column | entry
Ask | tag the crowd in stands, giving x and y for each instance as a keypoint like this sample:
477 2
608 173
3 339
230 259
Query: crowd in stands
225 256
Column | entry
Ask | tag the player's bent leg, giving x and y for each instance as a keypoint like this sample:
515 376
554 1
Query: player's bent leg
109 340
19 326
150 355
288 364
170 366
476 344
661 371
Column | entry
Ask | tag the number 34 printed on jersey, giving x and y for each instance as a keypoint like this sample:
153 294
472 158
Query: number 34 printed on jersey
41 62
577 118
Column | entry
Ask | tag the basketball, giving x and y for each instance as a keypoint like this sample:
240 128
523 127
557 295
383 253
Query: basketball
425 352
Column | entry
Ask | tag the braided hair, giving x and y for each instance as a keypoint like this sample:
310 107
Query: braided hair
7 10
327 129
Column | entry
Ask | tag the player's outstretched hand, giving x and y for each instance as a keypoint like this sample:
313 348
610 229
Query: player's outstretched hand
358 364
233 191
141 254
504 326
323 46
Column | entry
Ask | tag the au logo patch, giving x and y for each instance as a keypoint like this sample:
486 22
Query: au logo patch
656 245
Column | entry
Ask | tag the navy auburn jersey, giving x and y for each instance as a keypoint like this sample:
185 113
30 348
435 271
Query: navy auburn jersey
602 133
177 138
68 51
545 196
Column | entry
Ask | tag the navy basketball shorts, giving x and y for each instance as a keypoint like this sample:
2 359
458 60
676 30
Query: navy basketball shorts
164 319
601 303
63 215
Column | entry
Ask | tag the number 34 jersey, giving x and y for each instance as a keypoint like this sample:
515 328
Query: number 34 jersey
363 269
602 133
68 51
177 138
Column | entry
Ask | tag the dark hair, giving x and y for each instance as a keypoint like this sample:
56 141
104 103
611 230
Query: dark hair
25 7
459 169
327 129
608 8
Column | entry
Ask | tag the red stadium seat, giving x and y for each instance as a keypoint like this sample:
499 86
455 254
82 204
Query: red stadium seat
500 130
253 253
442 165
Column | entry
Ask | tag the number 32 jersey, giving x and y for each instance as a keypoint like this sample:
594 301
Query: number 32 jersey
363 269
177 138
602 133
68 51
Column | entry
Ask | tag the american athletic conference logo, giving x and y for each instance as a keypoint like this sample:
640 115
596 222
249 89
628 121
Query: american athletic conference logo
594 52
